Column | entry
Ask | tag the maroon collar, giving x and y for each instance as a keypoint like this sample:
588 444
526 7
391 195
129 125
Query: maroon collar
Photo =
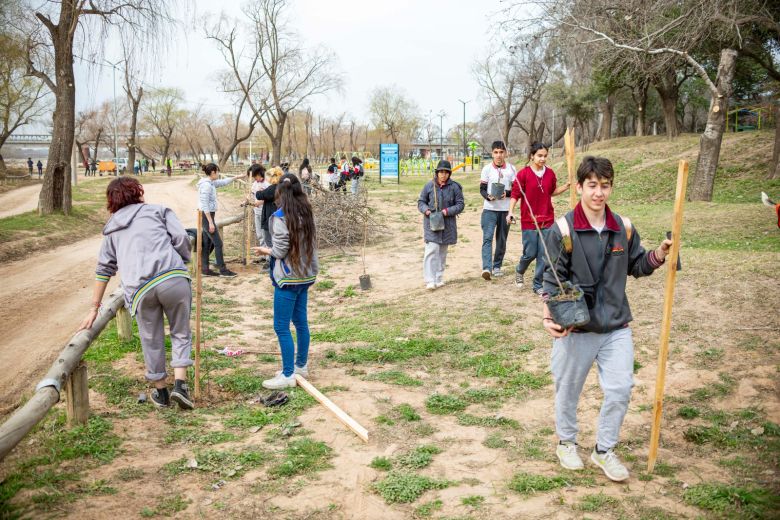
581 221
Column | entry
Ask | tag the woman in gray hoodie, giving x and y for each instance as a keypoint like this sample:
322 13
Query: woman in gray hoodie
147 245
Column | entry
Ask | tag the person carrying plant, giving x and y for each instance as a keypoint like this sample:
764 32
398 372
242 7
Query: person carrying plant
294 267
495 186
595 250
534 187
441 200
147 245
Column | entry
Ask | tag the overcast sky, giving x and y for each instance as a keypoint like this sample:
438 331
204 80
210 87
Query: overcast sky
427 47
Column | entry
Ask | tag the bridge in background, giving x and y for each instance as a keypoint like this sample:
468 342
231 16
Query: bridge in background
29 139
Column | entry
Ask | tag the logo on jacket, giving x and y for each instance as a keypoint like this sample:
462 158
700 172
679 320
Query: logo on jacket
617 250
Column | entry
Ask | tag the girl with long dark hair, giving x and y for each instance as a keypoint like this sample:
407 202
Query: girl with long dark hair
294 267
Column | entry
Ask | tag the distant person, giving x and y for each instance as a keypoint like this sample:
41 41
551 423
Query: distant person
154 165
86 167
534 186
343 174
267 198
333 174
168 166
495 186
259 183
305 175
156 284
40 168
93 167
146 165
355 174
444 196
207 197
30 166
294 268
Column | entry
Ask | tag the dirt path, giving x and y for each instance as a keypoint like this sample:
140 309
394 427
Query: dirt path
19 201
43 299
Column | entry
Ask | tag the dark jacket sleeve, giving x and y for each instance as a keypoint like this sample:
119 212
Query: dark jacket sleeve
459 204
640 262
267 194
561 261
422 202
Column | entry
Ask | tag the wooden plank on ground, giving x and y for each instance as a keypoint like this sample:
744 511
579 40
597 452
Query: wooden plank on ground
340 414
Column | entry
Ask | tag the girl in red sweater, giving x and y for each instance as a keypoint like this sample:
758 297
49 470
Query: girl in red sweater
535 184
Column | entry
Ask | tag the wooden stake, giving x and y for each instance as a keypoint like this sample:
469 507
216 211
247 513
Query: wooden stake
340 414
124 324
198 294
666 322
77 394
568 142
247 226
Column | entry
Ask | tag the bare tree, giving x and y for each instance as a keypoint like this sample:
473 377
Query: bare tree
392 112
51 44
134 91
239 132
162 113
21 97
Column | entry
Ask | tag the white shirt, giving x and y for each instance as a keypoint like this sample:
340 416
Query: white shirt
259 186
491 175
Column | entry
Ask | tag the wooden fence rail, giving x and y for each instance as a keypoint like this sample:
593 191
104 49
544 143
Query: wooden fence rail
58 378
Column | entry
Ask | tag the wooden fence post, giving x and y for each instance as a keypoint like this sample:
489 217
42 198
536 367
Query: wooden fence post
198 293
77 395
568 142
124 324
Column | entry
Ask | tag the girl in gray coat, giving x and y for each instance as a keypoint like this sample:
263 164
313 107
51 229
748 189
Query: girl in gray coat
445 196
147 246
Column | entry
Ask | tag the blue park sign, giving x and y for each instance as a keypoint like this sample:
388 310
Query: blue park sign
388 162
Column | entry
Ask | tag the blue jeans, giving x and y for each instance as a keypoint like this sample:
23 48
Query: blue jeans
533 250
493 222
290 305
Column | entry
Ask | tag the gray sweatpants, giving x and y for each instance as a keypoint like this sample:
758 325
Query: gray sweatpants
260 233
173 297
572 358
434 261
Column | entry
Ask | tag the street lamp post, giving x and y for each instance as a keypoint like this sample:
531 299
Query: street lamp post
441 132
464 132
116 139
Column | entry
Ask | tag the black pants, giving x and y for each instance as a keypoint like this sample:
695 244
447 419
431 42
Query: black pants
210 239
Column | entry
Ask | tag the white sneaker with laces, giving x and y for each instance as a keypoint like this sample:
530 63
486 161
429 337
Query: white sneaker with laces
568 457
519 279
439 284
610 464
303 371
279 382
497 273
431 286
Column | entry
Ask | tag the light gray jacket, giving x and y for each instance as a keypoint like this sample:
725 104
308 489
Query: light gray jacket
207 192
282 273
146 244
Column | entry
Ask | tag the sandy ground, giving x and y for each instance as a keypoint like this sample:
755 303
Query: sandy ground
33 330
19 201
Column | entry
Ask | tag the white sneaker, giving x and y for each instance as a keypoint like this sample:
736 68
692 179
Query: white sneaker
431 286
610 464
439 284
519 279
567 455
279 381
303 371
497 273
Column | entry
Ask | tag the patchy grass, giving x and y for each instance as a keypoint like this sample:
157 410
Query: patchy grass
223 464
529 484
597 502
474 501
733 501
394 377
442 404
487 422
427 509
303 456
420 457
403 487
381 464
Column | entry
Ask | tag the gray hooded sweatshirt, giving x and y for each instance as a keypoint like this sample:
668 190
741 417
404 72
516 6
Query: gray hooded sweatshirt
147 244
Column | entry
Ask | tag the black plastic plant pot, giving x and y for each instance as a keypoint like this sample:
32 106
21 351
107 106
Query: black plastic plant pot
569 308
365 282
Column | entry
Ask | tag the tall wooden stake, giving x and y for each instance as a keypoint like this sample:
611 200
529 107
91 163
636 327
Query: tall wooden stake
198 294
568 142
666 322
248 213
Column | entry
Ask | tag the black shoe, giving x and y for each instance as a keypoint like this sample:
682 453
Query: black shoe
160 397
209 272
181 396
227 273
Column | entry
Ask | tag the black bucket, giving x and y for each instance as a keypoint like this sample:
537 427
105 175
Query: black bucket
365 282
570 308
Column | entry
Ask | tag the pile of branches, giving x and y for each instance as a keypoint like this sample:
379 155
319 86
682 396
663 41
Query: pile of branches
343 220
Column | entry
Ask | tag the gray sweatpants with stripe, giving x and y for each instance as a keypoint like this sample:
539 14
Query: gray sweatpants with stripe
173 299
572 358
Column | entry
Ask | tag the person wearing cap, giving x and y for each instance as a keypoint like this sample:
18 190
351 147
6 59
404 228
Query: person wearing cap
444 195
495 175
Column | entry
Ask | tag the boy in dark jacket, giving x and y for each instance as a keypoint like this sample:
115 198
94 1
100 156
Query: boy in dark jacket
595 249
445 195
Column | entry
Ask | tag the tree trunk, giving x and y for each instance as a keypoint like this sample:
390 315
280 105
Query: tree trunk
774 165
606 119
134 104
709 144
3 169
669 92
56 191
